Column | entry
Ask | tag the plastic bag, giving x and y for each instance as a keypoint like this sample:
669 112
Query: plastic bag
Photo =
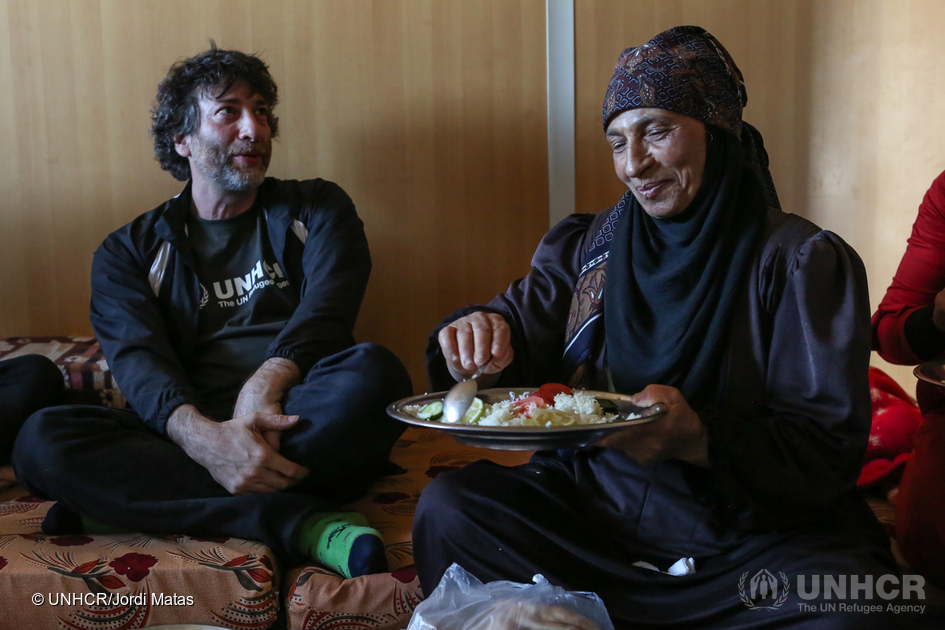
461 602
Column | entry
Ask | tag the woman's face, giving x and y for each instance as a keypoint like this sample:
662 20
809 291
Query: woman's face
660 156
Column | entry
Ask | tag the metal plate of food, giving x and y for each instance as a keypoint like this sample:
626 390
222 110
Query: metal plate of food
931 372
526 438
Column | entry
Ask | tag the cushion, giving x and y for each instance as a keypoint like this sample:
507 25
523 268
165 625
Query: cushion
128 580
81 361
896 418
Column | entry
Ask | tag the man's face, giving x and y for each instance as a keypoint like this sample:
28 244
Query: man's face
232 145
660 156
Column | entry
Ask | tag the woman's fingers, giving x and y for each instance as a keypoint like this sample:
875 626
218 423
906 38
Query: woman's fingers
476 339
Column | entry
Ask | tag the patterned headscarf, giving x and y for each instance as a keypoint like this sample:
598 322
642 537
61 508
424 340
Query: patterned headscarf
687 71
684 70
655 297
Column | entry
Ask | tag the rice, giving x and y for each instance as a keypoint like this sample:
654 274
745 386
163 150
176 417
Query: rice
568 409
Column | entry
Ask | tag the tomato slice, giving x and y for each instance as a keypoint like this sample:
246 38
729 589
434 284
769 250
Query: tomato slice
548 391
521 405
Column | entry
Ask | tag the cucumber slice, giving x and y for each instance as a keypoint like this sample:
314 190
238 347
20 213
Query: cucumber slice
432 411
607 405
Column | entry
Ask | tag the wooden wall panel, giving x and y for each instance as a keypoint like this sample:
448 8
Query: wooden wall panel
845 92
876 104
430 113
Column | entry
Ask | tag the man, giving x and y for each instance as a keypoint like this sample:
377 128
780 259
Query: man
226 314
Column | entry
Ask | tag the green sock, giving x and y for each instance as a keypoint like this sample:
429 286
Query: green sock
343 542
91 526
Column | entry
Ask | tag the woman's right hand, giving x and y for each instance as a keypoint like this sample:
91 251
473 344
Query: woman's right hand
477 339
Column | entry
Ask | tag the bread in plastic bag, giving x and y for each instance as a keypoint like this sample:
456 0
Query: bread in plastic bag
461 602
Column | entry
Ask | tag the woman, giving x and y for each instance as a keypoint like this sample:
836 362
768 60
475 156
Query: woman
909 328
697 292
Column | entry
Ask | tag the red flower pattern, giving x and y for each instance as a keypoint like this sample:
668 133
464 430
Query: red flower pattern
405 575
136 566
29 499
246 568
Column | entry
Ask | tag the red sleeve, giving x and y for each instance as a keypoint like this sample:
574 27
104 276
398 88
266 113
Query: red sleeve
921 275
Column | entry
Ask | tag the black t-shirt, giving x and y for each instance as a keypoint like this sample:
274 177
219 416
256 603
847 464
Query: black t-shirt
246 300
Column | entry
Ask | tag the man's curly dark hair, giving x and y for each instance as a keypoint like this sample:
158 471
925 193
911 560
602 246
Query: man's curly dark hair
176 111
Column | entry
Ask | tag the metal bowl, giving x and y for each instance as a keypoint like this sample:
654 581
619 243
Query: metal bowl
931 372
527 438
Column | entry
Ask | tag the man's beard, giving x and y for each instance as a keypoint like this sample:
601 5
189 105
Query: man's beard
235 180
218 166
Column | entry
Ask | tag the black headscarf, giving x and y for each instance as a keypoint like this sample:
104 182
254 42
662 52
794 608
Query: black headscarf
672 283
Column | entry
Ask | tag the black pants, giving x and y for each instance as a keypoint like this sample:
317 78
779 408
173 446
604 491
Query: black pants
106 464
549 517
27 383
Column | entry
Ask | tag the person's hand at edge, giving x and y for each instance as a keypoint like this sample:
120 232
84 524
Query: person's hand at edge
477 339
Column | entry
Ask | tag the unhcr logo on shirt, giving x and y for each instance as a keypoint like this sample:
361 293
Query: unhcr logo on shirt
763 591
243 287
